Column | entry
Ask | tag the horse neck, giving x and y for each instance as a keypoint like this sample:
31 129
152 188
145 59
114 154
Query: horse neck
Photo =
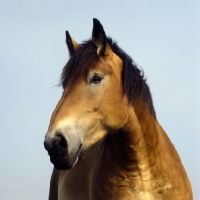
141 134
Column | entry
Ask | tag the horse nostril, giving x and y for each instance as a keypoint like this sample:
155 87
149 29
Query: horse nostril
60 141
56 145
49 143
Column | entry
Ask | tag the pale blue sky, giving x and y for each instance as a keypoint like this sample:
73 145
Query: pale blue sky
163 37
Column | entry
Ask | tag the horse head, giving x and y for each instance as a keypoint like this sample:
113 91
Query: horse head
92 104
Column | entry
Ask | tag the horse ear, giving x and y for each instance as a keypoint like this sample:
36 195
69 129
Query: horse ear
99 37
71 44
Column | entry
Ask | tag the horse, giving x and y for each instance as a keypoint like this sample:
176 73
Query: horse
104 139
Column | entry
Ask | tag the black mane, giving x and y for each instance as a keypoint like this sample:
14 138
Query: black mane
134 83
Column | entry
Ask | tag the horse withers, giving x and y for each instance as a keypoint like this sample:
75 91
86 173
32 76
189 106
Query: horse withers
104 139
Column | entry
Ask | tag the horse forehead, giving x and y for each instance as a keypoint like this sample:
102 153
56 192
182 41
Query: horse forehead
110 64
102 66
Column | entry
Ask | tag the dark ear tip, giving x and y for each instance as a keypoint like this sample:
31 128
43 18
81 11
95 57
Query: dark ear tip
67 34
97 27
95 20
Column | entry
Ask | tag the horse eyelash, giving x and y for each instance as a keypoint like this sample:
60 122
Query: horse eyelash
96 75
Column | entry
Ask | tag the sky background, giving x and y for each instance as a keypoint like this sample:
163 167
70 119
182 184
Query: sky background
163 37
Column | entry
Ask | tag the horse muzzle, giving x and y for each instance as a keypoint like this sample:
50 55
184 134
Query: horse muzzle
63 153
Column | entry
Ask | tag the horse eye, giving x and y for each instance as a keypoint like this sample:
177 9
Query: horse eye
96 79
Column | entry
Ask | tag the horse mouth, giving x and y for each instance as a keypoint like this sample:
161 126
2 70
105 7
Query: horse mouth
64 161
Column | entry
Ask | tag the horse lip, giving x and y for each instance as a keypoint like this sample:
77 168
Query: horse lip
64 163
61 153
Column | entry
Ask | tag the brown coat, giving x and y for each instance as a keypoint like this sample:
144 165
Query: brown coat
104 138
